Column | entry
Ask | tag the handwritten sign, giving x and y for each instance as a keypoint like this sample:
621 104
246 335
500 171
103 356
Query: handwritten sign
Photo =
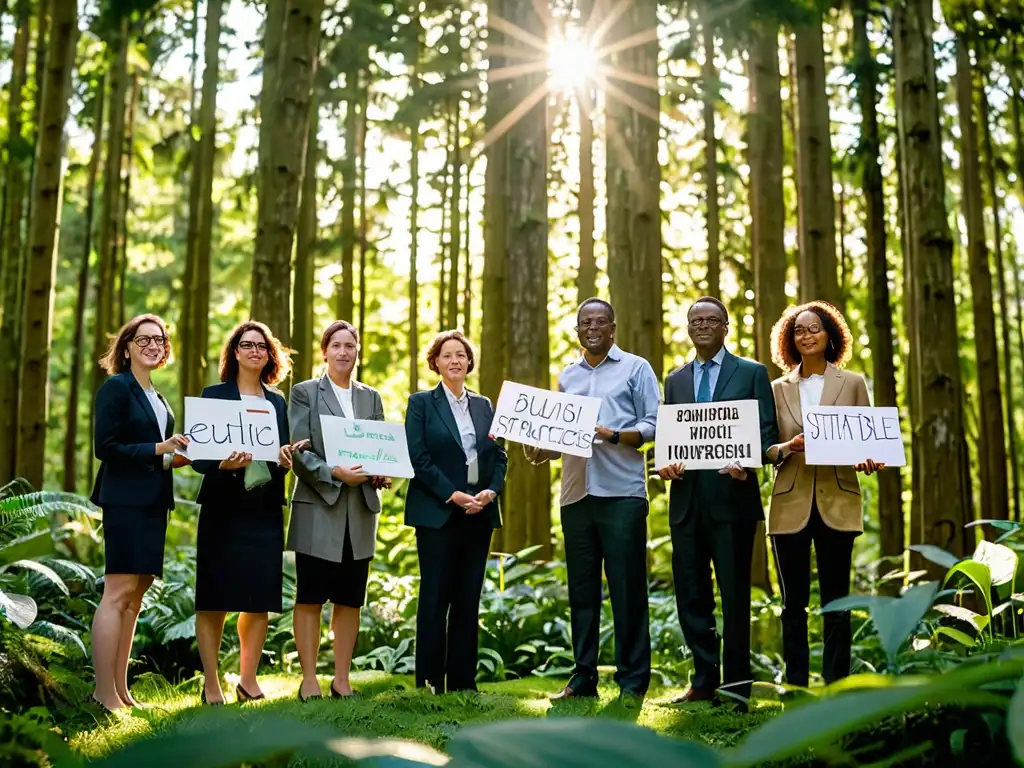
708 435
844 436
555 421
218 428
378 447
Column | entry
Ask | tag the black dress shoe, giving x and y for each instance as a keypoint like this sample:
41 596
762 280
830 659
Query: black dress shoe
579 687
632 699
244 695
304 699
336 694
202 698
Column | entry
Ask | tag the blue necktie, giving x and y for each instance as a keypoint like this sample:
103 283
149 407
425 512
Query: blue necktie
704 390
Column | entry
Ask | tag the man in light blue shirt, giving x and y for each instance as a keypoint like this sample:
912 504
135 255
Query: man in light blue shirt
604 505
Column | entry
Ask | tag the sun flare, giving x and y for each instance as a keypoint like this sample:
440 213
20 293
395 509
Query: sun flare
571 63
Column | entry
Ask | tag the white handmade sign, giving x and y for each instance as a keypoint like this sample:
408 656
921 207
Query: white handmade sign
844 436
377 447
555 421
218 428
708 435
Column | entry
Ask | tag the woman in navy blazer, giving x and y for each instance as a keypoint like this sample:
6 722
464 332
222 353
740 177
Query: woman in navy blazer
453 504
240 543
135 444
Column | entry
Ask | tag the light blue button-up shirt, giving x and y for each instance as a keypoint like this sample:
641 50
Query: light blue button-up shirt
698 373
630 397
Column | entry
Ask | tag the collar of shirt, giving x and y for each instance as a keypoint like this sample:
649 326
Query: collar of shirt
452 398
718 358
614 354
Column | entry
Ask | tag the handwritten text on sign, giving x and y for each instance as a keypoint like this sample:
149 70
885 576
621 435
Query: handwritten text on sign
708 435
551 420
218 428
378 447
844 436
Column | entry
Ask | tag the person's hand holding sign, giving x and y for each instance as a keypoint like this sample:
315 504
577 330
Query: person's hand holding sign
237 460
672 472
735 471
351 476
869 467
796 445
381 483
172 444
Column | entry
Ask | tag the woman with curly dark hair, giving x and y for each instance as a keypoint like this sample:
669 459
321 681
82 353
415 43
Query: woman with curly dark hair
240 544
813 504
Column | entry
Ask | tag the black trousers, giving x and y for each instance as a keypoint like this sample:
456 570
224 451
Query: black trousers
833 551
453 560
612 532
698 543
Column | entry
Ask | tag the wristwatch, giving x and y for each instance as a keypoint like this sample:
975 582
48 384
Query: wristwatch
614 439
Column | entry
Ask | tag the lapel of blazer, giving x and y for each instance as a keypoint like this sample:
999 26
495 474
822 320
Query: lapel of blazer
686 382
361 401
147 407
170 416
834 381
729 366
327 395
791 394
444 410
478 412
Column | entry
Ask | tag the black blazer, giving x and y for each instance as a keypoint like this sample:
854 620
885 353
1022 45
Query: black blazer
726 500
227 487
440 463
125 435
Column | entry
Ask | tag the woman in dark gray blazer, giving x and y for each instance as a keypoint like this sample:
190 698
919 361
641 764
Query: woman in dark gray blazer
453 504
333 529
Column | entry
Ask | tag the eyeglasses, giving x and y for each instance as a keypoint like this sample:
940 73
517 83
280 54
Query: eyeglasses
144 341
249 345
599 323
705 322
811 330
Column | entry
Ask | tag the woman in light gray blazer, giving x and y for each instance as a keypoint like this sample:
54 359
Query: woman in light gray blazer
333 529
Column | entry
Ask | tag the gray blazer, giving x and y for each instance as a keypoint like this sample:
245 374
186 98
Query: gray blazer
324 508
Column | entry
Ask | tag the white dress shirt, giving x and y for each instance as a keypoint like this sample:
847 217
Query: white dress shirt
467 431
811 388
344 395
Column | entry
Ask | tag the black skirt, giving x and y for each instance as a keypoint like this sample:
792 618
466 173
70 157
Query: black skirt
319 581
134 540
239 555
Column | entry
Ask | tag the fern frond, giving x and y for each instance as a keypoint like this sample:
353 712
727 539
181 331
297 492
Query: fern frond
19 515
58 634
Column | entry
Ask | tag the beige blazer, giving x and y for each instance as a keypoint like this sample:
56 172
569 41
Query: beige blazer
324 508
796 484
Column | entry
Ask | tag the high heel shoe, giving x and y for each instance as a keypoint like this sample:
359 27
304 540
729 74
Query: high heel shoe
304 699
244 695
336 694
202 698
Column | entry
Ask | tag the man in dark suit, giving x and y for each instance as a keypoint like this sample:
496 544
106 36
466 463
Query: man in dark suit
714 514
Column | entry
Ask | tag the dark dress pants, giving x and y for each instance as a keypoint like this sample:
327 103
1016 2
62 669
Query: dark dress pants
833 551
698 543
453 561
612 532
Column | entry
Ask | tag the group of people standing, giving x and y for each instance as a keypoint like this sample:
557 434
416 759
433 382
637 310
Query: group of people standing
453 503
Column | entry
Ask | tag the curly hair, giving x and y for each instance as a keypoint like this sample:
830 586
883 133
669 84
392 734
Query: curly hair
115 361
434 351
840 341
279 361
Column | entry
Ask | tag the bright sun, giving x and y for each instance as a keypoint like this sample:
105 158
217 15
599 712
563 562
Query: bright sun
571 62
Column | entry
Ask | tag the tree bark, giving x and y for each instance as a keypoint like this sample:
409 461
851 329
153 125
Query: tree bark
1018 141
817 234
47 189
414 212
634 194
709 93
12 260
455 241
992 443
279 198
890 502
346 296
305 258
126 199
70 470
467 259
938 423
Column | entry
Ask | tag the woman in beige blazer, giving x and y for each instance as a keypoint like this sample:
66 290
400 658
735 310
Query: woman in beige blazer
333 529
813 504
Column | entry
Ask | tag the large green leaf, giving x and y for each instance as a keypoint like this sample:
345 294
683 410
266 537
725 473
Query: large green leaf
571 742
895 618
832 717
937 555
28 547
1015 722
45 571
1000 559
979 574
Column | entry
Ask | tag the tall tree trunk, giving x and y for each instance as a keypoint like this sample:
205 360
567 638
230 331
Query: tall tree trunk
1004 300
78 338
364 336
442 250
126 199
187 366
42 39
467 258
200 320
841 242
890 503
305 257
14 190
529 490
1018 141
586 276
346 295
938 423
709 93
47 189
634 194
414 212
455 243
817 234
992 445
279 197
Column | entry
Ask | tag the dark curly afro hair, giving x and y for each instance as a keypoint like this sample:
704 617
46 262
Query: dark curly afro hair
784 351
